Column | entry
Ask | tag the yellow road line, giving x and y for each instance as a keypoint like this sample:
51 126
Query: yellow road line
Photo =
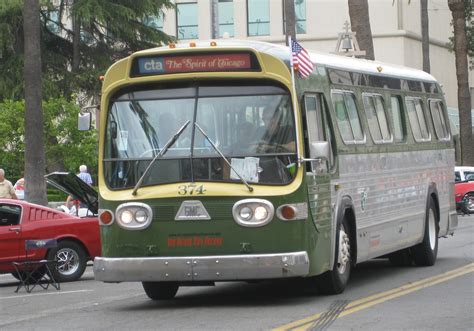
372 300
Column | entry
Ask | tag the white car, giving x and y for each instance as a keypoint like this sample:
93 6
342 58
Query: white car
461 173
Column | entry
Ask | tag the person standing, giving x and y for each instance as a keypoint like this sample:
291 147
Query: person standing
6 188
84 175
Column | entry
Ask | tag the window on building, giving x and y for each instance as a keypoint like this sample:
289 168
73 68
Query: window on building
397 119
439 121
417 119
375 113
258 17
226 17
53 22
300 16
154 22
347 117
187 20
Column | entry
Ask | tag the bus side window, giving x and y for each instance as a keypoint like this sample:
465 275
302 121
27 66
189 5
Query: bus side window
417 119
397 118
317 123
347 117
439 122
376 117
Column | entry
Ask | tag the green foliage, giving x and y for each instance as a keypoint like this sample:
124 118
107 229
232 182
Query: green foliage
62 139
109 30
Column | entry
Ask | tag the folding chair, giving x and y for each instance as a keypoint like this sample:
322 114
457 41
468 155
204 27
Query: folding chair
36 272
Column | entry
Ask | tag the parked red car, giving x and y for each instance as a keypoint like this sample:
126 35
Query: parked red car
78 238
464 195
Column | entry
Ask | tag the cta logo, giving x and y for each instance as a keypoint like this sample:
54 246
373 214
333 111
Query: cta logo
151 65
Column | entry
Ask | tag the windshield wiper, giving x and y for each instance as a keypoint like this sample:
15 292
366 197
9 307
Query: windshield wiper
168 144
250 188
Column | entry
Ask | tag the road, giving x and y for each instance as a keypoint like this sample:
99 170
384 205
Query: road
379 297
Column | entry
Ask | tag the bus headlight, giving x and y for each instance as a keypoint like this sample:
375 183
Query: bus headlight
134 215
253 212
126 217
245 213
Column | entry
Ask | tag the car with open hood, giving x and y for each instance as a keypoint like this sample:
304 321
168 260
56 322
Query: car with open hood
78 238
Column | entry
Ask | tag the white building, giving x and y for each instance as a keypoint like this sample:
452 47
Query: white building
396 28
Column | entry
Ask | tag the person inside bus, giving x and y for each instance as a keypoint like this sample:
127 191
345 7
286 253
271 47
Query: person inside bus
277 136
246 132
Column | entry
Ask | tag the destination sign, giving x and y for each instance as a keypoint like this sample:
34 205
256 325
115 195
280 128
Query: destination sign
159 65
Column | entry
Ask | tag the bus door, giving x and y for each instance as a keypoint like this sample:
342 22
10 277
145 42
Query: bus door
317 136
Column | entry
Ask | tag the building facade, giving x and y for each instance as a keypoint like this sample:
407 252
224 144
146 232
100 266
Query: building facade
396 28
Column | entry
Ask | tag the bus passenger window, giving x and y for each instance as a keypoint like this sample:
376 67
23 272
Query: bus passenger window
439 121
397 119
417 119
347 117
375 112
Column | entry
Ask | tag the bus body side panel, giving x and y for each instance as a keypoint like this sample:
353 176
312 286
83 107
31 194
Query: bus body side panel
319 201
389 191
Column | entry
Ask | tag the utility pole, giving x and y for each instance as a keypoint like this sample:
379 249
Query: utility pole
290 20
214 19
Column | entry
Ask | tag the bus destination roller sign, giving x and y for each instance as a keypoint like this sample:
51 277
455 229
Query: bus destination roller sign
159 65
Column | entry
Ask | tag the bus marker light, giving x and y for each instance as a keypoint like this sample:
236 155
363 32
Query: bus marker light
192 44
213 43
292 212
106 217
171 45
288 212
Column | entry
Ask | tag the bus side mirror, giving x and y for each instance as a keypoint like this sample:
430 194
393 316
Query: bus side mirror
319 156
319 150
84 121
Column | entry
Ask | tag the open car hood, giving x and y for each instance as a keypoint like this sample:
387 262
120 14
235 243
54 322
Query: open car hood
73 185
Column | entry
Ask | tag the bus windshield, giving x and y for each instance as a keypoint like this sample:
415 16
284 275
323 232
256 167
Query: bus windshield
252 125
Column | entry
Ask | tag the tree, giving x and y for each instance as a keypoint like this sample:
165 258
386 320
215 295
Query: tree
72 147
74 57
425 35
35 190
360 24
458 9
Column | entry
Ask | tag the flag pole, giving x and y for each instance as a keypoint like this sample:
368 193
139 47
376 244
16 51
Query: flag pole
295 102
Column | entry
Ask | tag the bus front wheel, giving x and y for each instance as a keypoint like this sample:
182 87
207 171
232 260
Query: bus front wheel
160 290
334 281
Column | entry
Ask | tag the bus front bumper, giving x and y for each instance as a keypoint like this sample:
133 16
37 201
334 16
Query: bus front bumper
202 268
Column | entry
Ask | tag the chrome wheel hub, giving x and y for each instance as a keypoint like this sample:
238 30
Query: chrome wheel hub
68 261
344 253
432 229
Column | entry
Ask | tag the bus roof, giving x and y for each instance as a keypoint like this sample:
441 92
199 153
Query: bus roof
326 59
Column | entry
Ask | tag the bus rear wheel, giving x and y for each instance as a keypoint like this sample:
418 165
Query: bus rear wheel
425 253
334 281
160 290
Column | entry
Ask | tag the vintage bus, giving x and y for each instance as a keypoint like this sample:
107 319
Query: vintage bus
215 167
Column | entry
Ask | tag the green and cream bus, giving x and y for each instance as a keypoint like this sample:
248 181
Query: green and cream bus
215 167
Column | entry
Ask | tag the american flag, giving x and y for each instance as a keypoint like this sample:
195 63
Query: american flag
301 60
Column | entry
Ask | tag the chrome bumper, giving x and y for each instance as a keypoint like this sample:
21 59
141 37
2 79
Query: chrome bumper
202 268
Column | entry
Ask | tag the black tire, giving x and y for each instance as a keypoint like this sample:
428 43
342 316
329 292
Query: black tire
425 253
160 290
33 278
401 258
72 261
334 281
468 203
